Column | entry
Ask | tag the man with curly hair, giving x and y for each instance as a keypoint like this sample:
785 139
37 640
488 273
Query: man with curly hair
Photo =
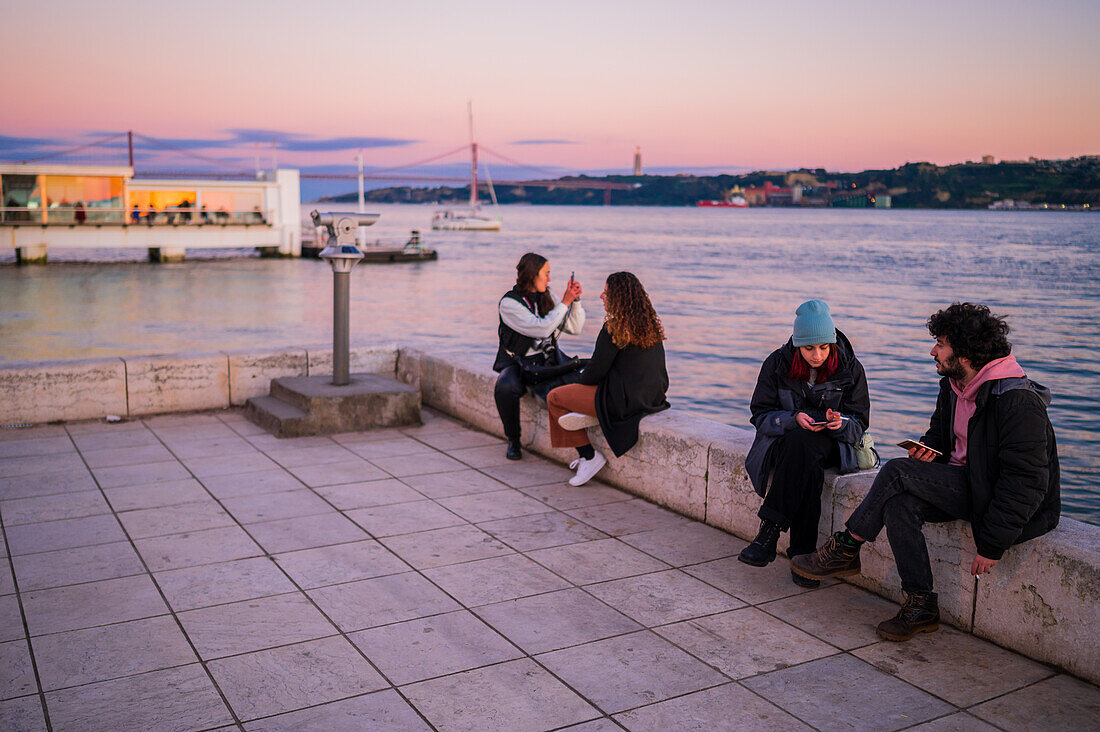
989 457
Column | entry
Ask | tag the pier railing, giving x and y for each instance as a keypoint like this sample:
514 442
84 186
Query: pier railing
172 216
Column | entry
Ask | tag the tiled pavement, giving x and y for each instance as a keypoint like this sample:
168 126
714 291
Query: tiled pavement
193 572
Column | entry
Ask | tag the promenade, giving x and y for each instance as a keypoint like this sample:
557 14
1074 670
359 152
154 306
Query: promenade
193 572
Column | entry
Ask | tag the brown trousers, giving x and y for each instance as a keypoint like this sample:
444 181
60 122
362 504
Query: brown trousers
578 398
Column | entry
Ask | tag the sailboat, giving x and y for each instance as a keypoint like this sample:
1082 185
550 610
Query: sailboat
470 219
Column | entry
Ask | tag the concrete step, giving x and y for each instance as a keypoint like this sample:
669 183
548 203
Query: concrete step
312 405
278 417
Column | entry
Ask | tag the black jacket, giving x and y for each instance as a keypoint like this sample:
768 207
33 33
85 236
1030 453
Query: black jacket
511 342
1011 461
778 398
630 383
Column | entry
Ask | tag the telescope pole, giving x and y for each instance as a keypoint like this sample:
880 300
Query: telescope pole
341 305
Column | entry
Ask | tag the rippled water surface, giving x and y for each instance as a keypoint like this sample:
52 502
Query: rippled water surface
726 283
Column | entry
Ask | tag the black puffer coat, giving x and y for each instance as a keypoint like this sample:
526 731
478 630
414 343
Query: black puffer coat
1011 461
778 398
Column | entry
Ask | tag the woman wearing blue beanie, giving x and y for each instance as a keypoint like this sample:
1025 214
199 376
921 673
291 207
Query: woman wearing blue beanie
810 409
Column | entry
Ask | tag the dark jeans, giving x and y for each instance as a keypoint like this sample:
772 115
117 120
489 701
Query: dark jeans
794 497
906 494
510 389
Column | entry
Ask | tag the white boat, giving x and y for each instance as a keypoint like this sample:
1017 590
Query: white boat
469 219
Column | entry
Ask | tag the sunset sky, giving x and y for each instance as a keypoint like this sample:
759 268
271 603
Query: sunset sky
568 86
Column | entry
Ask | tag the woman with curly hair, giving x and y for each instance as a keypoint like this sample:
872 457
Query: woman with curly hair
810 408
624 381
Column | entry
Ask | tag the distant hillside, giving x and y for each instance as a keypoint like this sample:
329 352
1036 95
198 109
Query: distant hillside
1073 181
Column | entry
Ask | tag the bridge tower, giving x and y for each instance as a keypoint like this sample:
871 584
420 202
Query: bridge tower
637 160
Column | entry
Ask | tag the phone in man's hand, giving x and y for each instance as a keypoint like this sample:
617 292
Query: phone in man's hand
910 444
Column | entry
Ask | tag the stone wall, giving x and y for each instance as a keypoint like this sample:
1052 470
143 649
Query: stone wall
1041 600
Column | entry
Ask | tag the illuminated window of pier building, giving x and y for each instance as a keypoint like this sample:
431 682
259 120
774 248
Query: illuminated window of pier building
99 196
20 192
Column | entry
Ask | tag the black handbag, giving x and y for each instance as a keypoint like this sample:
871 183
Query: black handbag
543 367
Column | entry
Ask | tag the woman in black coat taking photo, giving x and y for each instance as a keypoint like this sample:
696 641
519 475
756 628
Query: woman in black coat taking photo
810 409
624 380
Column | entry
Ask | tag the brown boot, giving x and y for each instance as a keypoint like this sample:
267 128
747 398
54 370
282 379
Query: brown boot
834 558
919 614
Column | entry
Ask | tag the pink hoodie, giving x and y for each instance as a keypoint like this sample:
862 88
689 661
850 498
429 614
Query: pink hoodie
1000 368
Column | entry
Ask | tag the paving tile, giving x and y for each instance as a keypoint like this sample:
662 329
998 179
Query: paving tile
541 530
16 672
121 475
404 518
456 483
494 580
199 547
252 625
458 439
305 532
628 517
182 519
843 615
754 585
445 546
555 620
39 464
603 724
958 722
663 597
842 692
491 506
71 566
52 508
7 583
64 534
53 445
684 544
517 695
209 467
65 480
36 432
97 603
272 506
624 672
157 495
402 465
596 561
23 714
745 642
381 600
136 436
267 441
1061 703
481 457
251 484
246 429
330 565
11 621
930 662
350 496
173 699
166 422
442 644
351 471
729 706
292 677
563 496
297 457
385 711
215 584
389 448
136 455
529 472
215 447
377 434
179 435
110 652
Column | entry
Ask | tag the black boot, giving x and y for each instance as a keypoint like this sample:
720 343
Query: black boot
513 452
761 551
919 614
804 581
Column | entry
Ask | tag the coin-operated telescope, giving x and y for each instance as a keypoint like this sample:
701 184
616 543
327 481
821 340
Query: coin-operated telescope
342 255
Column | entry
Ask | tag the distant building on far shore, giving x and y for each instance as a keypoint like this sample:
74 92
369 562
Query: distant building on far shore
988 160
637 160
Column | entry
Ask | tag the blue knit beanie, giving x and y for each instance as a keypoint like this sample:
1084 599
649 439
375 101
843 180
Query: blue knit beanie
813 324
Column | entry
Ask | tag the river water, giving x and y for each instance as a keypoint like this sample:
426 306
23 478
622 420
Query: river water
725 281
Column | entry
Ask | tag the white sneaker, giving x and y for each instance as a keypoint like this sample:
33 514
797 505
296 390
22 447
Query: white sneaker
574 421
586 469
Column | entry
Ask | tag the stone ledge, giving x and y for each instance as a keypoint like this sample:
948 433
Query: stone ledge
45 391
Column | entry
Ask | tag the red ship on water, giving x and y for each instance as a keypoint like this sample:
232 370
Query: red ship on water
733 200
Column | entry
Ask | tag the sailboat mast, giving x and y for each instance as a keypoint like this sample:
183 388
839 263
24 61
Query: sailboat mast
473 158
